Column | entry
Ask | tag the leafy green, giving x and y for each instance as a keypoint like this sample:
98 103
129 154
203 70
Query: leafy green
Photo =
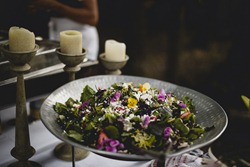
112 132
75 135
60 108
195 133
178 124
156 129
189 102
87 94
70 102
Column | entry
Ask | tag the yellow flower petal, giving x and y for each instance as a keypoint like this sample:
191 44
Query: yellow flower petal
132 102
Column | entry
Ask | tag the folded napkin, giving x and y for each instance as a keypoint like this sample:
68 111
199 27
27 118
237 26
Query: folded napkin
195 158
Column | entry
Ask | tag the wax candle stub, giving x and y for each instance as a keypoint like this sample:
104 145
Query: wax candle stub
71 42
115 51
21 39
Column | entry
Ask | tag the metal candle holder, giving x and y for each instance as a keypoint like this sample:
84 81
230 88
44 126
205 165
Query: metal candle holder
72 62
113 67
19 64
65 151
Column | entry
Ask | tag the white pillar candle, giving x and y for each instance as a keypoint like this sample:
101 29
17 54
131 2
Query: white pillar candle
115 51
21 39
71 42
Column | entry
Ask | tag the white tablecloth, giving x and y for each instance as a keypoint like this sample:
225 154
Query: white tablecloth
44 143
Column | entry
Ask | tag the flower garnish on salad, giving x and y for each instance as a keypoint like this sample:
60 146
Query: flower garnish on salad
128 116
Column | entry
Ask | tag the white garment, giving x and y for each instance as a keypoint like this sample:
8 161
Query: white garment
90 36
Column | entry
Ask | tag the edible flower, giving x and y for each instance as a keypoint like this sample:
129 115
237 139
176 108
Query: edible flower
161 95
143 88
145 121
182 105
127 124
167 132
111 145
84 104
115 97
132 102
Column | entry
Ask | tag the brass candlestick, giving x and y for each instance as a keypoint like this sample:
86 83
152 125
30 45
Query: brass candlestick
113 67
22 150
65 151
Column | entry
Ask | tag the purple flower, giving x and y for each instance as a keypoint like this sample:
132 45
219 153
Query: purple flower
111 145
114 143
121 146
161 95
182 105
84 104
111 149
167 132
146 121
169 94
115 97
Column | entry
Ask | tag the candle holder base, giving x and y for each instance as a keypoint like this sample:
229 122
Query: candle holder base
63 151
113 67
25 164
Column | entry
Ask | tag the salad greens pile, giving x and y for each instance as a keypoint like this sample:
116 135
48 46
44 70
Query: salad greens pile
126 116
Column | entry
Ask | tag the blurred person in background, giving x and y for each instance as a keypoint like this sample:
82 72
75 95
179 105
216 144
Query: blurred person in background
80 15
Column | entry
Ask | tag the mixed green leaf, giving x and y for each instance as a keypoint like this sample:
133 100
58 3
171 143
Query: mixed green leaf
128 116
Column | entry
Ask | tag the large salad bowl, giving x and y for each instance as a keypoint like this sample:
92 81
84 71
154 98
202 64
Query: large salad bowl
209 113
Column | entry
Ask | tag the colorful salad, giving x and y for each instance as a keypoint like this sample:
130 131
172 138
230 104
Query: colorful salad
127 116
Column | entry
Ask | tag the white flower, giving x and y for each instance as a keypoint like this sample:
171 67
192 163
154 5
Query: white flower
127 124
137 95
145 96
